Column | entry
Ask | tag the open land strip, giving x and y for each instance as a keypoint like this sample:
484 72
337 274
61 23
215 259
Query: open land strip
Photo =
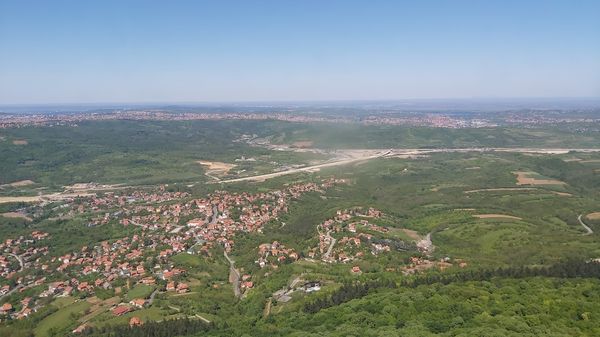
349 156
496 216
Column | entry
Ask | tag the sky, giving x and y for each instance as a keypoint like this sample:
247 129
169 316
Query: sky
284 50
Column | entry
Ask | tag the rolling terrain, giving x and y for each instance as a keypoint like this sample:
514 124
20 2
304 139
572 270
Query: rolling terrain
232 228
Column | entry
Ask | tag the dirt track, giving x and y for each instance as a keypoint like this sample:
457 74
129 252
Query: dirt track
587 228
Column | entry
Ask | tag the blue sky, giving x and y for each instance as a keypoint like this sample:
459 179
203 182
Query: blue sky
201 51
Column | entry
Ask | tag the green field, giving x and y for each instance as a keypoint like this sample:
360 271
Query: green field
140 291
63 318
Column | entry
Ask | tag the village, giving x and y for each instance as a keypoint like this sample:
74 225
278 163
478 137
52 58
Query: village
166 224
171 223
351 234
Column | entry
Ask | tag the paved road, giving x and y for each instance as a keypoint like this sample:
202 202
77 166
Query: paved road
400 152
11 291
152 296
21 264
296 281
587 228
234 276
330 248
304 169
214 215
18 259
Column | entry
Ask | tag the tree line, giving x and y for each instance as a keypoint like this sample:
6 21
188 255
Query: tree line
350 291
167 328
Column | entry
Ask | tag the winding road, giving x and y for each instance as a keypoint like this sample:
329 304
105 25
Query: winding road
21 264
18 259
587 228
151 300
234 276
330 248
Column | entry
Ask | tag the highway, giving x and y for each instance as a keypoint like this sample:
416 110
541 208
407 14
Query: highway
350 156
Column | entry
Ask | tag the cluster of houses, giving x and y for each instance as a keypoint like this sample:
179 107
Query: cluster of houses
172 223
178 287
16 252
271 254
165 230
27 307
419 264
348 247
18 256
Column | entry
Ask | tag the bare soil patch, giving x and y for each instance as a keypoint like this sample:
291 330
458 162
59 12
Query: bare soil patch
499 189
21 183
523 178
216 165
4 200
98 306
86 187
593 216
496 216
216 169
45 197
302 144
20 142
16 215
412 234
564 194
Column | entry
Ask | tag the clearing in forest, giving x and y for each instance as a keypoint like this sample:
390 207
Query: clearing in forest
412 234
216 169
499 189
496 216
16 215
593 216
21 183
564 194
528 178
4 200
302 144
216 165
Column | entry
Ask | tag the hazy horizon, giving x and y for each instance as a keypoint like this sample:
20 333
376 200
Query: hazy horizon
405 105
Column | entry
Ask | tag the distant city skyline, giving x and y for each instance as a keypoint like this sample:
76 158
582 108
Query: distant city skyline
243 51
